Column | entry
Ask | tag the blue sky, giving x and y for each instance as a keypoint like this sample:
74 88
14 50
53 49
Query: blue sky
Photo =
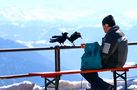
76 13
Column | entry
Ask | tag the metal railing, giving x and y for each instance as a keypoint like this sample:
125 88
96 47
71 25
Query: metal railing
56 49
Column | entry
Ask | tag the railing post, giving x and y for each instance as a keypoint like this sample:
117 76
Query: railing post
57 58
57 65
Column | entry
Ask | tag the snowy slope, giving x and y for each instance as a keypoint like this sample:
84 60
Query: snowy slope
66 85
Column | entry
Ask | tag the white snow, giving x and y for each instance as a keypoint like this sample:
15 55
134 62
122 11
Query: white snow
66 85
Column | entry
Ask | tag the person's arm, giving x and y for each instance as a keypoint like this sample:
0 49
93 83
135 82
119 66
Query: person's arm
108 46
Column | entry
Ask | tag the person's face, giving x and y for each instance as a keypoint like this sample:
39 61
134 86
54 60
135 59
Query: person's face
106 28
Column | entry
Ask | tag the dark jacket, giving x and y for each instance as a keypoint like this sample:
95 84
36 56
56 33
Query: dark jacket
114 48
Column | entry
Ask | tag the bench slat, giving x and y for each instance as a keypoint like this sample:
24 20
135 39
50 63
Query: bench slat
54 74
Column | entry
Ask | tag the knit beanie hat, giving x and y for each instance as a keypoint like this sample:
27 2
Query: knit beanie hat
109 20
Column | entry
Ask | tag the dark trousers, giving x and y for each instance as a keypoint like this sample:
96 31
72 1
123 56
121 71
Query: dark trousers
96 81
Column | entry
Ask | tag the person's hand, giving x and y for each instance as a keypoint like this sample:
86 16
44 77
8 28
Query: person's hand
82 45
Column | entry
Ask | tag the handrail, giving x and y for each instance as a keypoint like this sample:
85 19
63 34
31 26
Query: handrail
37 49
49 48
132 43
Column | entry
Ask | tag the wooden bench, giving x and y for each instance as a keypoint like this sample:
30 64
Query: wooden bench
47 75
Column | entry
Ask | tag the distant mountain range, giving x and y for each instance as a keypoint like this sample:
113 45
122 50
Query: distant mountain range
21 62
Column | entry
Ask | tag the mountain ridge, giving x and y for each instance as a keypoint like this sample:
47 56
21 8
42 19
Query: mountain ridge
21 62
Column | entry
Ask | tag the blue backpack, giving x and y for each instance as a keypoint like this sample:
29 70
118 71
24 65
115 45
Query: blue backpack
91 58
